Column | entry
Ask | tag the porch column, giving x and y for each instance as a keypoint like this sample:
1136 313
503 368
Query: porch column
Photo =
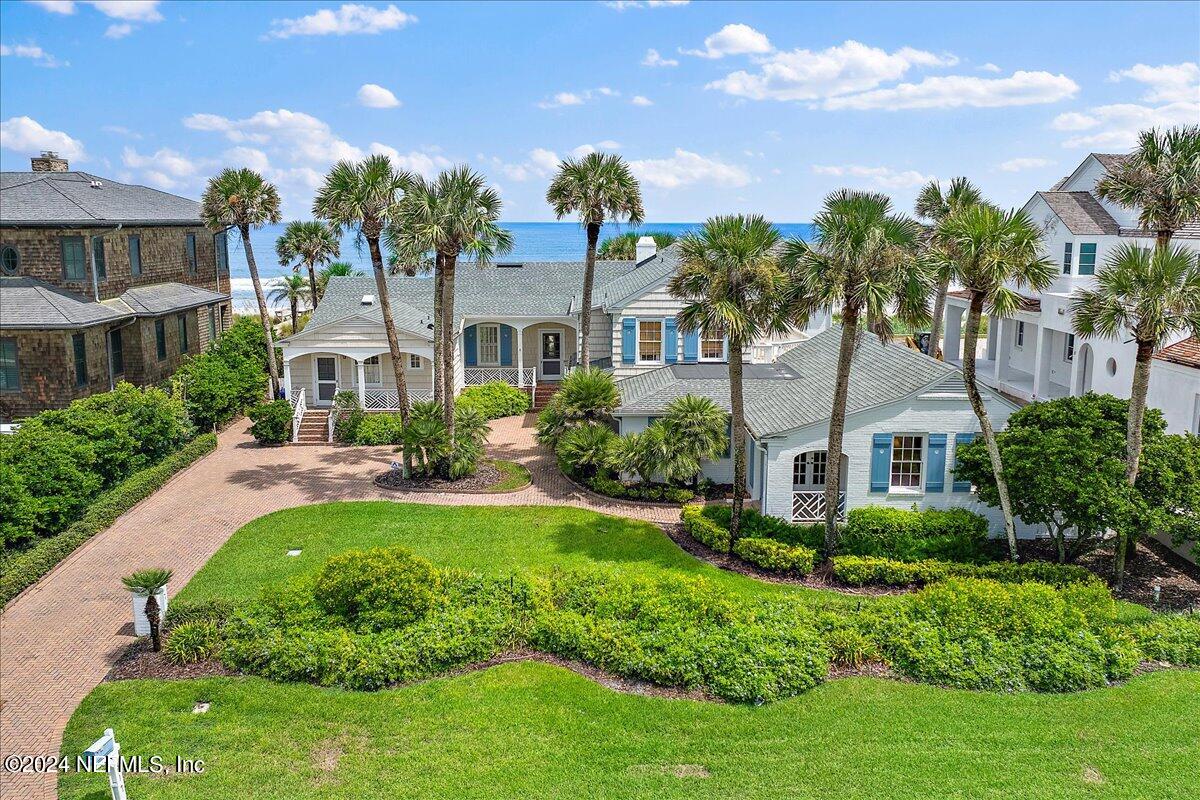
1004 336
361 368
952 346
287 379
1041 362
520 357
992 334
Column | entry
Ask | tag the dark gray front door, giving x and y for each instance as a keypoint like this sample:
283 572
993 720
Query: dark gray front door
552 354
326 379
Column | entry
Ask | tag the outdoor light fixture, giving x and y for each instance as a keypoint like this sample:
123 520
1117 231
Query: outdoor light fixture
1157 592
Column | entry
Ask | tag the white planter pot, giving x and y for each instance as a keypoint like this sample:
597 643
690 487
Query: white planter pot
141 623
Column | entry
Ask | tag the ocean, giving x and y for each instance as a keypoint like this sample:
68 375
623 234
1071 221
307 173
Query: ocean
534 241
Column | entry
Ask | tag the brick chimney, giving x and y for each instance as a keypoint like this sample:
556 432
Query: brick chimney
48 162
646 247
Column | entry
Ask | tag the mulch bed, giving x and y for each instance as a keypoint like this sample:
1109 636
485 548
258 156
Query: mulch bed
139 661
485 477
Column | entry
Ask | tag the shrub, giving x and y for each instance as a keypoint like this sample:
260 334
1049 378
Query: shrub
244 341
1174 638
379 429
216 611
190 642
775 556
272 422
384 587
849 645
704 529
348 416
764 526
910 535
586 395
20 508
646 492
494 400
870 570
158 422
585 449
57 467
215 390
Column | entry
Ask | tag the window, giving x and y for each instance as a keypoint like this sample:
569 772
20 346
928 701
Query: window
1069 349
1020 334
135 255
1087 258
10 260
79 345
221 247
160 339
372 370
10 376
212 323
712 349
98 258
183 338
414 361
191 253
116 352
489 345
1067 248
907 457
74 260
650 342
808 469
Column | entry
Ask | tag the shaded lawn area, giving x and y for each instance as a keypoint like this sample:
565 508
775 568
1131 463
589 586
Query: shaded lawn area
493 540
534 730
513 476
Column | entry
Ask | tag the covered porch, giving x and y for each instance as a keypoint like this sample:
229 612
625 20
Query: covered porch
319 374
1019 356
518 351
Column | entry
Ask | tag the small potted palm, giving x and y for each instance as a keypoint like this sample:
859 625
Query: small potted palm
149 590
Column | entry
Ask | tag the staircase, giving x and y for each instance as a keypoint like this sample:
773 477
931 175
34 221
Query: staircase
314 427
542 394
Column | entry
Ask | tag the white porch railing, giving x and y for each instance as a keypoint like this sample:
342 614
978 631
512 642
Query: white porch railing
810 506
389 399
299 406
513 376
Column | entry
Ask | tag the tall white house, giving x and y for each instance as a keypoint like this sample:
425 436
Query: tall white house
1035 354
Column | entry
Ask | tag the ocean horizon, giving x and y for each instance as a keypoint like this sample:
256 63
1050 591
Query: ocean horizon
533 241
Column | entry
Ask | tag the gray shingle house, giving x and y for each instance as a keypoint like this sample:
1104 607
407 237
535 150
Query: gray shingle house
100 282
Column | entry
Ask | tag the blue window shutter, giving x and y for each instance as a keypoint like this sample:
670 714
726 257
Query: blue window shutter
959 440
506 346
628 339
881 462
670 343
691 347
935 480
470 348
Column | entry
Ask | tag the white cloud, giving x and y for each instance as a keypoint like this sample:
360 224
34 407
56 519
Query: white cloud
55 6
811 75
608 144
734 39
885 177
563 99
955 91
165 168
654 59
32 52
989 67
26 135
121 130
350 18
685 168
544 160
372 95
621 5
249 157
1173 88
639 100
118 30
424 164
1018 164
131 10
302 137
1168 83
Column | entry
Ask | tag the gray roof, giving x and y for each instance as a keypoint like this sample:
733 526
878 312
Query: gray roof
796 390
69 198
29 303
639 278
163 298
1081 213
1110 161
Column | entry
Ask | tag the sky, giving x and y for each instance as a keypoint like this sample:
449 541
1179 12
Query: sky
718 107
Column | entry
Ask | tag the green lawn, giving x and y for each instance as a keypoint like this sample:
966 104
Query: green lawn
513 476
531 730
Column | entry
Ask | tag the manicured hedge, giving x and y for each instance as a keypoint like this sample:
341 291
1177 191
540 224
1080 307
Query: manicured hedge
272 422
649 492
764 526
29 566
953 534
1173 638
775 556
870 570
704 529
494 400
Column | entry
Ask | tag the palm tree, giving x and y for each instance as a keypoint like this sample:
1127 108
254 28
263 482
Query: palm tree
729 278
241 199
338 269
697 429
1154 295
455 214
935 205
364 195
311 242
989 251
293 290
147 583
597 187
623 247
863 258
1161 178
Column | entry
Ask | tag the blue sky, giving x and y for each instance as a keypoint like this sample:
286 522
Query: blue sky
719 107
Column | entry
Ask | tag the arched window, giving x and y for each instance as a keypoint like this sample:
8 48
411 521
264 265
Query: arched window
808 469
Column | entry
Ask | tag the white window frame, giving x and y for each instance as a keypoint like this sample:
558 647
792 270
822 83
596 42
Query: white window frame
1020 335
377 380
1069 348
414 367
724 350
922 450
661 341
809 467
479 344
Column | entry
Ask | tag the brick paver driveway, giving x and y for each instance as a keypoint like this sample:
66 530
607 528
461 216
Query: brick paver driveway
59 638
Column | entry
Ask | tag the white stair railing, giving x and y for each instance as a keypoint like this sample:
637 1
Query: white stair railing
299 407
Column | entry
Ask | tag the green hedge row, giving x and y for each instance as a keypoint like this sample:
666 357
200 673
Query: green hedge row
704 529
648 492
494 400
953 534
870 570
27 567
775 556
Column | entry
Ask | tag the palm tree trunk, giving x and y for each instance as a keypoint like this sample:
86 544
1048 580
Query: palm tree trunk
1133 447
449 262
439 376
294 301
152 617
265 317
939 312
970 340
739 440
837 427
389 325
312 284
589 277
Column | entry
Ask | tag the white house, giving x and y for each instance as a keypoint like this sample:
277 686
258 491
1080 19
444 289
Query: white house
1035 354
906 416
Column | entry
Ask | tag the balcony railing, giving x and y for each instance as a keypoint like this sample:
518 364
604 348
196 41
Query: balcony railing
513 376
810 506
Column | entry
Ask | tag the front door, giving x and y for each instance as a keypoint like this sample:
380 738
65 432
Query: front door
326 379
552 355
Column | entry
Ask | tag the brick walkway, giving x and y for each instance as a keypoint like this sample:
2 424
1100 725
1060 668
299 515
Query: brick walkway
60 637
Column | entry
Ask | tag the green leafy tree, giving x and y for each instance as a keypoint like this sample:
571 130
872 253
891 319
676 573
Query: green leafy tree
291 289
146 583
1152 296
696 428
1161 179
623 246
598 187
308 242
20 507
729 280
240 198
58 468
936 204
272 422
863 260
1169 482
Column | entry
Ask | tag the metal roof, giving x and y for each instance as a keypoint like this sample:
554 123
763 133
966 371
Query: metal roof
82 199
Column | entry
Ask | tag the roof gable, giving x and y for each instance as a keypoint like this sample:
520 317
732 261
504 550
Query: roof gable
1081 213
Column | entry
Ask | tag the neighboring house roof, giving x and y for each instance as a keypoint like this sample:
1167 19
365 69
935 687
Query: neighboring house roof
1024 303
1081 213
71 198
797 389
1190 230
343 301
30 303
1186 352
163 298
643 277
1110 161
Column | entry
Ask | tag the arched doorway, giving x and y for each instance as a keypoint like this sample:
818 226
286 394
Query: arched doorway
809 470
